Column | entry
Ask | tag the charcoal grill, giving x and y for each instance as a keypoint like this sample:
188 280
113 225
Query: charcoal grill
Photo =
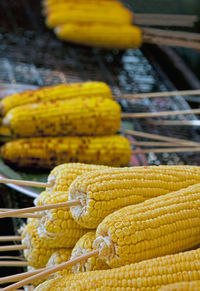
31 54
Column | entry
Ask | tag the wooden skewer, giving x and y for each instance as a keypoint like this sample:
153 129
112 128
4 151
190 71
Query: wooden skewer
176 122
21 276
159 114
39 208
159 137
10 238
25 183
26 215
11 257
50 271
13 264
12 248
156 144
167 150
160 94
171 33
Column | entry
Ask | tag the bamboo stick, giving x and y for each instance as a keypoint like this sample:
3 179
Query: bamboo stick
159 114
26 215
13 264
176 122
167 150
12 248
21 276
25 183
160 94
172 33
159 137
39 208
10 238
50 271
155 144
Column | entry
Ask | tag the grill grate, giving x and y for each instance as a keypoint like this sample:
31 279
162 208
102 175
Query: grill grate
34 56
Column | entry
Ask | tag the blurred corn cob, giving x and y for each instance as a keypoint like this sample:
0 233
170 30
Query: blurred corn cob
85 245
48 152
147 275
58 92
182 286
101 35
104 14
80 116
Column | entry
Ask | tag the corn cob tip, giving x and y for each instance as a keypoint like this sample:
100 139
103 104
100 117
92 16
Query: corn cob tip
6 120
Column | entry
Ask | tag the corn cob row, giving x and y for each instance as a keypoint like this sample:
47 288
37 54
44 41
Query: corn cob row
79 116
53 93
117 15
148 275
101 35
58 224
159 226
47 152
182 286
103 192
85 245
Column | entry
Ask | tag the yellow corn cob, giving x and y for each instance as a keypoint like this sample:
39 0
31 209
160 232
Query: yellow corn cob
5 134
58 224
58 92
37 252
102 35
148 275
182 286
105 15
56 258
157 227
84 5
48 152
85 245
80 116
101 193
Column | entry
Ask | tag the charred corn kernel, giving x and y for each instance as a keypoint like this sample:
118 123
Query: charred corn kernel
80 116
182 286
101 35
58 92
101 193
83 246
48 152
37 252
159 226
58 224
148 275
116 16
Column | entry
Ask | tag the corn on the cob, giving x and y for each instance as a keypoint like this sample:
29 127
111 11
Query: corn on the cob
58 92
114 15
101 193
101 35
85 245
159 226
5 134
182 286
148 275
48 152
58 224
80 116
37 252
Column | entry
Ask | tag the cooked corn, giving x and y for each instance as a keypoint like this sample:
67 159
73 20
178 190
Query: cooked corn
85 245
118 15
159 226
38 252
58 224
148 275
101 193
58 92
5 134
182 286
80 116
102 35
48 152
